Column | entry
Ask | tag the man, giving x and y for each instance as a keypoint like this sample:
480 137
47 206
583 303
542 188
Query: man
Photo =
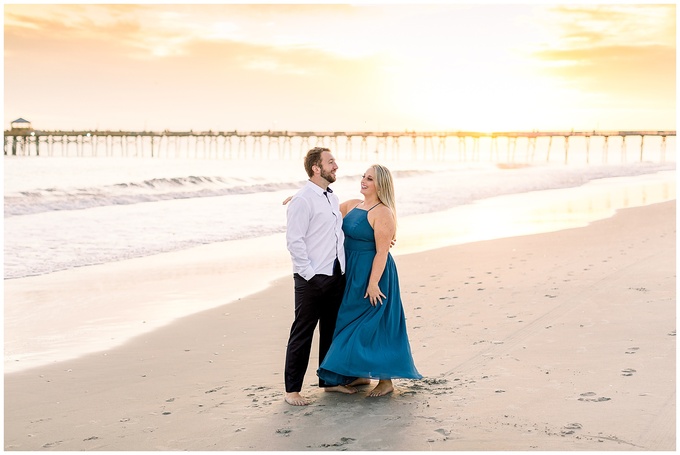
315 241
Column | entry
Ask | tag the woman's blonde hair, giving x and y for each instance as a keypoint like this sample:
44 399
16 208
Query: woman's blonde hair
384 186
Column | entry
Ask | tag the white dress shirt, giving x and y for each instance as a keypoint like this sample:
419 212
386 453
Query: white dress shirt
314 232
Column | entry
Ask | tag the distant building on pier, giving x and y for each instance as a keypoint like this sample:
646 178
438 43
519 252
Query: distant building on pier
21 124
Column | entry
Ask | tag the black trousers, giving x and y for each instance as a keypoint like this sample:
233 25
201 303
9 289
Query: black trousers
316 301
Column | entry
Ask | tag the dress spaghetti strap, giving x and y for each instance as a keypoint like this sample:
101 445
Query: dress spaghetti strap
374 206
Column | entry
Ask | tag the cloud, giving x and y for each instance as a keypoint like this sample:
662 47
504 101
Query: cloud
117 70
618 56
617 24
646 73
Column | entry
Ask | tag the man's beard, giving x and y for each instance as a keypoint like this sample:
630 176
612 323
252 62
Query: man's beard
330 178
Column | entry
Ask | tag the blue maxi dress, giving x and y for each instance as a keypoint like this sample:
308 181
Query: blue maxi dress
369 342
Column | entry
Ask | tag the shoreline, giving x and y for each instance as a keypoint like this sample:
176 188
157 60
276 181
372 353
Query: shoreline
104 314
555 341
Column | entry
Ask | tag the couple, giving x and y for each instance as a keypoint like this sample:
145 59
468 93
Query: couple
346 281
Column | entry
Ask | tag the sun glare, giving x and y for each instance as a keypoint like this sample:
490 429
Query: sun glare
473 95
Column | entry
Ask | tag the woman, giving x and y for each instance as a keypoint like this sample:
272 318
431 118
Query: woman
370 339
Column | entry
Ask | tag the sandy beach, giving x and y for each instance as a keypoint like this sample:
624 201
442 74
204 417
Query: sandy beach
557 341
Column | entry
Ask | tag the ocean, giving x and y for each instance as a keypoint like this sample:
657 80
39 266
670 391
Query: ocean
65 213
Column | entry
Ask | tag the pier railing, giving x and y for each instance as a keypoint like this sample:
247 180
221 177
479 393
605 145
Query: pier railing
462 145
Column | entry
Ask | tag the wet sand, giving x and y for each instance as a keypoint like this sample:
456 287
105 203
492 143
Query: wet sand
557 341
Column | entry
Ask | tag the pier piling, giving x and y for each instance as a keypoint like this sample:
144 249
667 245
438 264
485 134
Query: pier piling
282 144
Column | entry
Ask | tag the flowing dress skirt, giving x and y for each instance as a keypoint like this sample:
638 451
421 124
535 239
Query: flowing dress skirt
369 342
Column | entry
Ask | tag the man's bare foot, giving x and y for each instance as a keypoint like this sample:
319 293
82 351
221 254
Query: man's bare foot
383 388
295 399
341 389
359 381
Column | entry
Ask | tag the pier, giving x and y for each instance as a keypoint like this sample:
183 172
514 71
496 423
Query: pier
505 147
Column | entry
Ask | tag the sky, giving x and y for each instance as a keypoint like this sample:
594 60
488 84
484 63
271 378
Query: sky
341 67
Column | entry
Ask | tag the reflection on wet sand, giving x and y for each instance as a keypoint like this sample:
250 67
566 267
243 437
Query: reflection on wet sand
531 213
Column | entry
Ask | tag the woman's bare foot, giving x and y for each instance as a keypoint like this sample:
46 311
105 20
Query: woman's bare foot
359 381
341 389
295 399
383 388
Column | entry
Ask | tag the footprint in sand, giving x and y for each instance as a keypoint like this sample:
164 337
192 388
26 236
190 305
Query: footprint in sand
587 397
627 372
632 350
214 390
343 441
639 289
434 381
571 428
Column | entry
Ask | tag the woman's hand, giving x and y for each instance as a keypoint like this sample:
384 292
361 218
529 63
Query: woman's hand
374 294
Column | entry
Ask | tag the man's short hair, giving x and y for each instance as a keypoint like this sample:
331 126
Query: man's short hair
314 158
